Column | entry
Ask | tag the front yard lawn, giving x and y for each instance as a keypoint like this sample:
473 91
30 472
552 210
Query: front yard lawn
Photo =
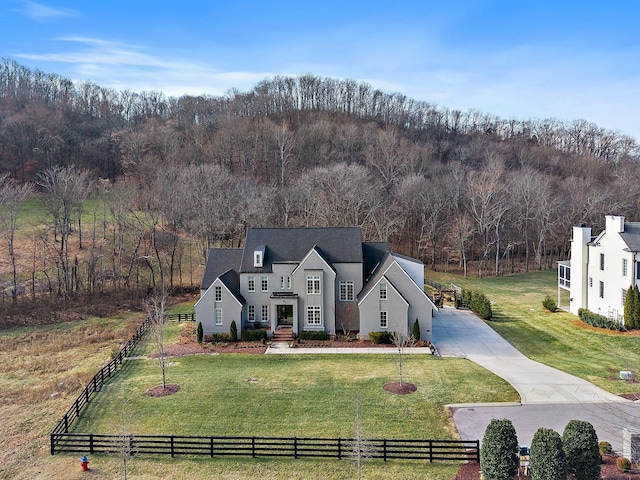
287 395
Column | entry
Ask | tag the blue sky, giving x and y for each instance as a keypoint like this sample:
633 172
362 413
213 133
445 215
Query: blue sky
546 59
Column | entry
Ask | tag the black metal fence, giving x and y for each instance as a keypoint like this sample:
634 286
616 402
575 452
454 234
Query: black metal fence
292 447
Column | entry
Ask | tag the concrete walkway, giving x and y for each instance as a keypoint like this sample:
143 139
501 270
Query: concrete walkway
549 397
278 348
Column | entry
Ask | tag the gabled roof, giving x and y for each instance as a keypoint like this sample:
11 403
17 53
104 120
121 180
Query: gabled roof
317 251
375 277
631 236
219 261
231 280
337 245
380 272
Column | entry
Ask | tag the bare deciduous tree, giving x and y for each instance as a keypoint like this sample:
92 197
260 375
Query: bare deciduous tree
157 308
11 197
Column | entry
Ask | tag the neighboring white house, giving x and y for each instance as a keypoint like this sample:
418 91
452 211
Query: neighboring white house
601 268
323 279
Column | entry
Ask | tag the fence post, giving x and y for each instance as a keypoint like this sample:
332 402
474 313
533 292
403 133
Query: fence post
430 451
91 443
477 442
384 449
339 448
295 447
211 446
172 448
253 447
131 446
53 444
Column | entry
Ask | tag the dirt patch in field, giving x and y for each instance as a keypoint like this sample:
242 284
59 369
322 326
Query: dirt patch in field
398 388
161 391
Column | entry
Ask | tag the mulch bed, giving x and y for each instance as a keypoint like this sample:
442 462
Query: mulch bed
159 391
400 389
608 470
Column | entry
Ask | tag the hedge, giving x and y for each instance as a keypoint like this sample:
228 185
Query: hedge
313 335
600 321
254 335
380 337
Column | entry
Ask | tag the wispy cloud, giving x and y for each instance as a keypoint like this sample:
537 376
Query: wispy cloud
38 11
129 67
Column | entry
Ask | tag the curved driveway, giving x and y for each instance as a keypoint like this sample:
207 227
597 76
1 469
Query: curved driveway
459 333
549 397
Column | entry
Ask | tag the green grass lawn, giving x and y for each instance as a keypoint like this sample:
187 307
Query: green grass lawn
558 339
286 395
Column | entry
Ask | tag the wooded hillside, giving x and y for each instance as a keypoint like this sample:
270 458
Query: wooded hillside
169 175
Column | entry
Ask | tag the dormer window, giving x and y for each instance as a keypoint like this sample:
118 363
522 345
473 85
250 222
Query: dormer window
258 257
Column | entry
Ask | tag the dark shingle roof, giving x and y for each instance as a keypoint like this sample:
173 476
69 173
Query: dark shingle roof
631 236
372 253
337 244
218 262
231 279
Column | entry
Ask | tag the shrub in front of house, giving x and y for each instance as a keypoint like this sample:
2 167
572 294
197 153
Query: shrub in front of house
199 333
597 320
548 461
623 464
380 337
580 444
313 335
416 330
498 459
218 337
605 448
233 331
550 304
254 336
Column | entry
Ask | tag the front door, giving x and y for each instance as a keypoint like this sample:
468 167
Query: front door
285 314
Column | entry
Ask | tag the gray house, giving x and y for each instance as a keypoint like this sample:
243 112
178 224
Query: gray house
322 279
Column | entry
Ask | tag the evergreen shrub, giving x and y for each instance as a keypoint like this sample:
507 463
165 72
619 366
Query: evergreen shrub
416 330
380 337
233 331
498 454
580 444
254 335
550 304
597 320
548 461
313 335
199 333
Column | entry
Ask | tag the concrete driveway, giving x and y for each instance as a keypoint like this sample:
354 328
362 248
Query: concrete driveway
459 333
549 397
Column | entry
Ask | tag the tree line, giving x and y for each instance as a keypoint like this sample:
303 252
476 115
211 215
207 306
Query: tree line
168 178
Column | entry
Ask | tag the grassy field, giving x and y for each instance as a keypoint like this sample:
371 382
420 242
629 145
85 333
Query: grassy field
558 339
42 370
292 396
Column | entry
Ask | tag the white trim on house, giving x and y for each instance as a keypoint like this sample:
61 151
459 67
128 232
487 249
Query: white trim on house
217 282
315 251
374 288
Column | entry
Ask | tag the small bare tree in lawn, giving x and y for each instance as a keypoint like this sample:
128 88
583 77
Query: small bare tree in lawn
158 316
402 341
361 447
